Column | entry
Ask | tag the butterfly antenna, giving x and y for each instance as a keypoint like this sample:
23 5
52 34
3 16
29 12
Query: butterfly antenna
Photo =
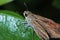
26 6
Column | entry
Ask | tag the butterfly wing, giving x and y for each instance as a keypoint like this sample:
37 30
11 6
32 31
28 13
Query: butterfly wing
36 26
42 26
49 25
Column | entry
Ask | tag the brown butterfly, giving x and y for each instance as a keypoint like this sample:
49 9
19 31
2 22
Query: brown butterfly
44 27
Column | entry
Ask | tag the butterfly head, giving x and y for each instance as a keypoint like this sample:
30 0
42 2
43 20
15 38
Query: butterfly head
26 13
27 16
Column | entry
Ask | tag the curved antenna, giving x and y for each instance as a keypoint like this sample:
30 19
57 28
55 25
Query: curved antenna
26 6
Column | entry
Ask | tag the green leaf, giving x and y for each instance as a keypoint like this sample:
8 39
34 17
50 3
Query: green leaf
13 28
2 2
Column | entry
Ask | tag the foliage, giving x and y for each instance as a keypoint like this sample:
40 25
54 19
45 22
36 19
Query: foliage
2 2
12 27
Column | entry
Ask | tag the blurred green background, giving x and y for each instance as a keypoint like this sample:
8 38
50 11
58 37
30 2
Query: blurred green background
47 8
12 28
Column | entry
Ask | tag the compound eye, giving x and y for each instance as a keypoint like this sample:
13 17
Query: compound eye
26 14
